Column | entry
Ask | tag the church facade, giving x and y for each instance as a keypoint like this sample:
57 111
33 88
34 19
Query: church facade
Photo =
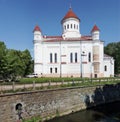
71 54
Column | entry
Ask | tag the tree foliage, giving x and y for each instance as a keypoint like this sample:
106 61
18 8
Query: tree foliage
14 63
3 65
113 49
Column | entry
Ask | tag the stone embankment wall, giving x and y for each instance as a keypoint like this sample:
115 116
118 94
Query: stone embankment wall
51 103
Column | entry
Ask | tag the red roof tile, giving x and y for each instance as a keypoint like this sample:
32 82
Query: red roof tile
59 38
95 28
70 14
37 28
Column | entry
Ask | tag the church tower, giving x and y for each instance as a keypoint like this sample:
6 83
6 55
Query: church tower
95 33
71 25
37 49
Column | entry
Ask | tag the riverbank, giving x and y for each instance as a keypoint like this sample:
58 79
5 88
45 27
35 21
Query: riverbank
50 103
103 113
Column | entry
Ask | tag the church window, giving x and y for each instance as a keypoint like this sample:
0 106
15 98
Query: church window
89 57
50 70
75 57
55 70
50 57
77 26
71 57
67 26
71 26
105 68
55 57
74 26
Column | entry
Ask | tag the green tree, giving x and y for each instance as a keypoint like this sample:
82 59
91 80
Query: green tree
113 49
28 62
3 65
19 63
14 63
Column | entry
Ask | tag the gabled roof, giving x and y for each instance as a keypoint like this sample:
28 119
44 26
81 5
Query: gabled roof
70 14
95 28
37 28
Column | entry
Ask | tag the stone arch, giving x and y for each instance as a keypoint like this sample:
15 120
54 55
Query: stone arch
18 108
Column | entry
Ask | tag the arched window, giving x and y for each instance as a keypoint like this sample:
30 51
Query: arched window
50 70
71 57
89 57
56 70
67 26
77 27
74 26
75 57
105 68
55 57
50 57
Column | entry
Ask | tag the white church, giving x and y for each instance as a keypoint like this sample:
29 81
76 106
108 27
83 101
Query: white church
71 54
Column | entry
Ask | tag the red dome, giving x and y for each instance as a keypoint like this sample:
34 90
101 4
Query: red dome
95 28
70 14
37 28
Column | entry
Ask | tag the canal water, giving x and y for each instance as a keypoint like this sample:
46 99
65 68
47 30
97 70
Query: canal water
104 113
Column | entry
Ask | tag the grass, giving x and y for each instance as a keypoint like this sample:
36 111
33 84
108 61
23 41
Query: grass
56 79
33 119
86 82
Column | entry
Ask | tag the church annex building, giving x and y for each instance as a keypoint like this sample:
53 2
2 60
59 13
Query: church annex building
71 54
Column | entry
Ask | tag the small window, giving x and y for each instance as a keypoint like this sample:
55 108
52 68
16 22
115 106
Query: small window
50 70
71 26
71 57
50 57
75 57
74 26
77 26
55 70
89 57
67 26
55 57
105 68
95 75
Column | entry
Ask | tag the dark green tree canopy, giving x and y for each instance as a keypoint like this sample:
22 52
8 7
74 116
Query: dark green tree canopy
113 49
14 63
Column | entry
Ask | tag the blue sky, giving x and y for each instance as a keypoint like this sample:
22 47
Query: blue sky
19 17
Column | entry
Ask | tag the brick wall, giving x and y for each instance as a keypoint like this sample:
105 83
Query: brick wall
50 103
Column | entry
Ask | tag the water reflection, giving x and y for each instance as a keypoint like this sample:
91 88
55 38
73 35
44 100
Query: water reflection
105 113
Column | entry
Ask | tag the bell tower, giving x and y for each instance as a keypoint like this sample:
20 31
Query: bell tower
95 33
71 25
38 38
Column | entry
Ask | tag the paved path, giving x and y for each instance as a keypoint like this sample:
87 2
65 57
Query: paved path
33 85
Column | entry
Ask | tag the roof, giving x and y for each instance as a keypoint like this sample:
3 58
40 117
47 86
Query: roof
107 56
37 28
60 38
70 14
95 28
